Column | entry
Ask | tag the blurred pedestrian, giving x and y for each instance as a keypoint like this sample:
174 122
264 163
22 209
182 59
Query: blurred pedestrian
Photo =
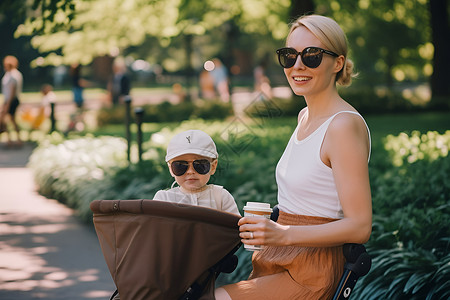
207 88
261 81
44 111
11 88
220 76
59 73
78 86
120 84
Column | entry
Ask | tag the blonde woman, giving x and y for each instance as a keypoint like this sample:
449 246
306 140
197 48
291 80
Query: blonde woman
323 183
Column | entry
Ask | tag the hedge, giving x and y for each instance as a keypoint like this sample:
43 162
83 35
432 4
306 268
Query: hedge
409 179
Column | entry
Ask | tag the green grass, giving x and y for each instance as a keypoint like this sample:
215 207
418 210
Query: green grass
380 125
34 97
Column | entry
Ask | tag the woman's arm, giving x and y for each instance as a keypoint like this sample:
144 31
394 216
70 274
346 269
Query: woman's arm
345 149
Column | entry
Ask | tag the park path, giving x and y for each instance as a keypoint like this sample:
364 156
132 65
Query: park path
45 251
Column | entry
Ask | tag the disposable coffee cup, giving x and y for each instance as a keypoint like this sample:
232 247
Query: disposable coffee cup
256 209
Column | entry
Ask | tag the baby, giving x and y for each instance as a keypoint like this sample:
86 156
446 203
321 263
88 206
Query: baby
192 159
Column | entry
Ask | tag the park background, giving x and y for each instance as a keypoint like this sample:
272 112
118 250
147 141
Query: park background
399 48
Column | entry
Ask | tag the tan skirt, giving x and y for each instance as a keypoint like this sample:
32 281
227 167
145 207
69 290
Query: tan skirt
292 272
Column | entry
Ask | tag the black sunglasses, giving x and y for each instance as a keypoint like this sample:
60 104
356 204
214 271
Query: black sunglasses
201 166
311 56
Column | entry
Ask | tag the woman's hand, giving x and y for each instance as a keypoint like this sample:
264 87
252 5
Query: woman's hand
261 231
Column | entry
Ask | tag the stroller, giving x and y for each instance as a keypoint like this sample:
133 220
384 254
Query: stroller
164 250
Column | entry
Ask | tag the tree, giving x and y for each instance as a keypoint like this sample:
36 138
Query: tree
175 28
46 10
129 23
299 8
391 38
440 27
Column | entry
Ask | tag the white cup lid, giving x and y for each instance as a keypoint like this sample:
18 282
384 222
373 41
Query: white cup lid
258 206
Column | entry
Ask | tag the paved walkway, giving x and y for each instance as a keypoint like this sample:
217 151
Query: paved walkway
45 252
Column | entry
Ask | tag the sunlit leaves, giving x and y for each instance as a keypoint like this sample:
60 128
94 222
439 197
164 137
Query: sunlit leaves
384 31
102 27
426 51
265 17
364 4
418 146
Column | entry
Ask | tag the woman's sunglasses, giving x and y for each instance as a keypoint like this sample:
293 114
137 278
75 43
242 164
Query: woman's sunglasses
311 56
201 166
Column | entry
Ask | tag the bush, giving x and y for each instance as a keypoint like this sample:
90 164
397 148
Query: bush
168 112
411 227
212 110
276 107
368 101
113 115
69 170
409 179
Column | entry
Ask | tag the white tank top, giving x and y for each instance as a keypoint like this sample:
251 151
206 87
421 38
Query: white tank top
305 184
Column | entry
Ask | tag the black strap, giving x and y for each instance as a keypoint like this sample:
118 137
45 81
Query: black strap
114 294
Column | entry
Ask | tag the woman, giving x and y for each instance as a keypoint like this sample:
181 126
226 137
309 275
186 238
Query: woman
11 88
323 182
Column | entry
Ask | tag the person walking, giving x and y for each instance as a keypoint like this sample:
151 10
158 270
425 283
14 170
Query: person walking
120 84
11 88
78 86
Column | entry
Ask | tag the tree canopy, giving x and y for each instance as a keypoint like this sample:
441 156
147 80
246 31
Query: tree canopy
391 40
108 27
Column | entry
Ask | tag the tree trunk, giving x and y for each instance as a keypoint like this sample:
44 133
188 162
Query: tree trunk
440 85
189 68
300 7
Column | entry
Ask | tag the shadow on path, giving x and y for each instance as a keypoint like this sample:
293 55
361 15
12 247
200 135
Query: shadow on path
45 251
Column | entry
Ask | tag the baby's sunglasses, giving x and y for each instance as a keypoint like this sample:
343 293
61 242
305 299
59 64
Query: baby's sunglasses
201 166
311 56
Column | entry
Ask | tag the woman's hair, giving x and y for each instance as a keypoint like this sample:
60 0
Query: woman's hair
11 61
331 35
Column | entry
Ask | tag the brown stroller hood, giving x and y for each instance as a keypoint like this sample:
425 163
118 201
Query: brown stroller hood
157 250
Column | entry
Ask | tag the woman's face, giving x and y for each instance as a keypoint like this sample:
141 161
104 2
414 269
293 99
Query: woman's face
306 81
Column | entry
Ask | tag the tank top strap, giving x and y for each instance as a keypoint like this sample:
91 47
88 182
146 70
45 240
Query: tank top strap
365 123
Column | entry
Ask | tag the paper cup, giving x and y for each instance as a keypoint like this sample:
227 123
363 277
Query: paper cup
256 209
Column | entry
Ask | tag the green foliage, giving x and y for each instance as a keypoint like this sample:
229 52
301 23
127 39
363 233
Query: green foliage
212 110
409 149
384 58
168 112
83 37
411 225
369 101
263 108
68 170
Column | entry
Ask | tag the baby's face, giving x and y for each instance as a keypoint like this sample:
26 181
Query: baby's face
191 181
